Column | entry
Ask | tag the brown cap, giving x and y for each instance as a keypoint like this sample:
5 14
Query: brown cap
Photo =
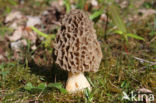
76 47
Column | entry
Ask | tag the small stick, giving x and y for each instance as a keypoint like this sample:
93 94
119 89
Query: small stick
148 65
143 60
153 39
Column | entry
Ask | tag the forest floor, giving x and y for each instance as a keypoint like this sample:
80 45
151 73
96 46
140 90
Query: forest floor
27 70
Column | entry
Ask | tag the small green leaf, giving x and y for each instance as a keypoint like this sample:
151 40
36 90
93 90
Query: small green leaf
29 86
96 14
42 86
62 90
123 84
135 36
58 86
67 5
49 37
39 32
118 32
129 35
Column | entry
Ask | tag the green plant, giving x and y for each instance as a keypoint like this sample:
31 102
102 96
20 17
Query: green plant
48 38
121 28
147 5
80 4
153 32
42 86
58 86
4 30
30 87
125 84
3 71
88 95
67 5
12 2
96 14
7 10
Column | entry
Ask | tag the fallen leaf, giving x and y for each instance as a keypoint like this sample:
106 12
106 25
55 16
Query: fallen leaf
12 16
16 46
146 13
17 34
33 20
94 2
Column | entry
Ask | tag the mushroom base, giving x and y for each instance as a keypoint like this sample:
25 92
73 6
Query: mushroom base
77 82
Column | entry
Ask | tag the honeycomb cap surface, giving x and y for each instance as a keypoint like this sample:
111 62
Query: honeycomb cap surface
76 46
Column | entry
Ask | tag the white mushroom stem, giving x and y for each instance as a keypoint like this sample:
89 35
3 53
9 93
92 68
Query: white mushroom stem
77 82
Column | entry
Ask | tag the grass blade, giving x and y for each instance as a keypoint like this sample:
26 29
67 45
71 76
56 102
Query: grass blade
81 4
39 32
113 12
96 14
67 5
135 36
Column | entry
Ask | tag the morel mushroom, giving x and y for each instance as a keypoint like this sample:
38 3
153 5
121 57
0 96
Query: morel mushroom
77 50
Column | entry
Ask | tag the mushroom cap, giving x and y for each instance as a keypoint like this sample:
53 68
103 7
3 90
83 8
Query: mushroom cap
76 46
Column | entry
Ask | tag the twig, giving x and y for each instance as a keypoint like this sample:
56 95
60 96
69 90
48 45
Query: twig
143 60
39 95
153 39
148 65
